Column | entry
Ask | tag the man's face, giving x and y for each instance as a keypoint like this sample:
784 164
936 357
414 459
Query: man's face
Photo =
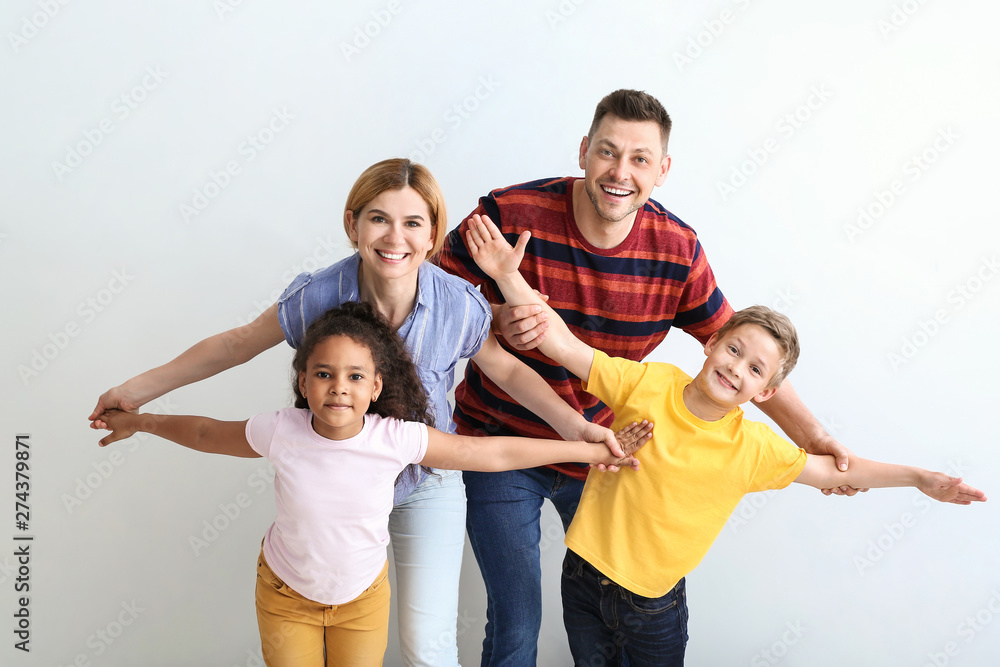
622 163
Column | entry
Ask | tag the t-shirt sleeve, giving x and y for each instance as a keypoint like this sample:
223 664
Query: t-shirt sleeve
454 256
301 304
410 439
779 462
260 432
702 309
613 379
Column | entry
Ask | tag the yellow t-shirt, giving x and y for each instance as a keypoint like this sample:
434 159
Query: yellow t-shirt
646 530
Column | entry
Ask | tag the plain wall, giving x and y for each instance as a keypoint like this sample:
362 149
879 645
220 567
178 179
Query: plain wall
839 162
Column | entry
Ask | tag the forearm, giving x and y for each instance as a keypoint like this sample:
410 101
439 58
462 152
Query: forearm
207 358
201 434
498 453
793 417
821 472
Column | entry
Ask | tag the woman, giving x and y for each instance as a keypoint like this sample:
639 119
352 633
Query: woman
395 218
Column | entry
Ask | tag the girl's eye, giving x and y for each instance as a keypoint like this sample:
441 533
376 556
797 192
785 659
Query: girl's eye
322 375
357 376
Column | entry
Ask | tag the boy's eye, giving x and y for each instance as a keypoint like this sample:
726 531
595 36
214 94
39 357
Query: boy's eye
732 348
755 370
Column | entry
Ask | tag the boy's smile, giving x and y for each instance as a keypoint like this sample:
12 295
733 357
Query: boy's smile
738 368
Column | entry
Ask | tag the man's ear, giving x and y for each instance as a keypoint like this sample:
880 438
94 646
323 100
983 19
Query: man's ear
584 145
664 168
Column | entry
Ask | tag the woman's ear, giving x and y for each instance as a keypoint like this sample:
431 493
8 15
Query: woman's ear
352 225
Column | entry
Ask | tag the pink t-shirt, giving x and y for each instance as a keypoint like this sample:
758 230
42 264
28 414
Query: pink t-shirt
333 499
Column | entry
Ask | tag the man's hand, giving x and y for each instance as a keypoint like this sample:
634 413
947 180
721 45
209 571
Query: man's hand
829 445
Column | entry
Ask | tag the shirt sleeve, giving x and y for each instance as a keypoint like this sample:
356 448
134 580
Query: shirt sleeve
702 309
260 432
613 379
294 310
477 325
779 462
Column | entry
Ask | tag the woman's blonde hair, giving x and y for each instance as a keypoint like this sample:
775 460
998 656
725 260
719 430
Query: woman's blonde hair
396 174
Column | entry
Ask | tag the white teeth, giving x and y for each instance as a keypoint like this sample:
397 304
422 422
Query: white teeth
391 255
615 191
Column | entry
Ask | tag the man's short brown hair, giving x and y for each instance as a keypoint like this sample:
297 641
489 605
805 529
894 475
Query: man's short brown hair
633 105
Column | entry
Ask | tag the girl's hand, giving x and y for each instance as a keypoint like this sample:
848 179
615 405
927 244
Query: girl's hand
121 424
490 249
947 489
115 398
634 436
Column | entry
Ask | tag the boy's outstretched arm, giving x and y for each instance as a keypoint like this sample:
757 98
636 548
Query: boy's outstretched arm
198 433
821 472
500 261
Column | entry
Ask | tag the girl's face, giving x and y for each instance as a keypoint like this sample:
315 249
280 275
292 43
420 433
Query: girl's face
339 384
393 233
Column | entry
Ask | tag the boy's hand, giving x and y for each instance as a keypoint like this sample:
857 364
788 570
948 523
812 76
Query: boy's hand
121 424
490 249
947 489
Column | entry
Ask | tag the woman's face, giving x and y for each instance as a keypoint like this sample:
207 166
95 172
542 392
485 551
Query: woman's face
393 232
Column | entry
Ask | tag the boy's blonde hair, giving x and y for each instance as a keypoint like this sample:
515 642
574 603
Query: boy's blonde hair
780 328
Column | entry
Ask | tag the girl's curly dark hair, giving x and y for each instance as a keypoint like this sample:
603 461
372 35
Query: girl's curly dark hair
403 395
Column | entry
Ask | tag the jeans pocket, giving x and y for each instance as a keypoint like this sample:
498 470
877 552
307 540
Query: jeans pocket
265 574
644 605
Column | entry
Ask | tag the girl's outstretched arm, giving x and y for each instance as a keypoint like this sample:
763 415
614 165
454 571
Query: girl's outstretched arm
821 472
204 359
199 433
497 453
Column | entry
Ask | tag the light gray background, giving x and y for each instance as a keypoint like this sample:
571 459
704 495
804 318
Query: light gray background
105 276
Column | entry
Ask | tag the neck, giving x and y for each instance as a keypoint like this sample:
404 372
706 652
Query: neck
703 407
598 231
394 298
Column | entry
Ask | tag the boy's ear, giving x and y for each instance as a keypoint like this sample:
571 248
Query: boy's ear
764 395
711 344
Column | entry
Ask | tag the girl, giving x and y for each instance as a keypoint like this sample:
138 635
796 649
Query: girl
395 218
360 417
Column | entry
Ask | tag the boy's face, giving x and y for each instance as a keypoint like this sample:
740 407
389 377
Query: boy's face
739 366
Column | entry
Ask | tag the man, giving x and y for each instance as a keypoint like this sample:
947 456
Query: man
621 271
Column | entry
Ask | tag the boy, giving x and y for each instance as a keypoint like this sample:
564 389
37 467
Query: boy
635 537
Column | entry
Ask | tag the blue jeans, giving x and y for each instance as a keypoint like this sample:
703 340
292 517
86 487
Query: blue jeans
609 625
426 531
504 509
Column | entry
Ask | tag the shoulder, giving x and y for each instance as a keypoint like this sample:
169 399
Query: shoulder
447 291
658 219
343 270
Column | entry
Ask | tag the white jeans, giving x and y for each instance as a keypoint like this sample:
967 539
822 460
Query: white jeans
428 536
